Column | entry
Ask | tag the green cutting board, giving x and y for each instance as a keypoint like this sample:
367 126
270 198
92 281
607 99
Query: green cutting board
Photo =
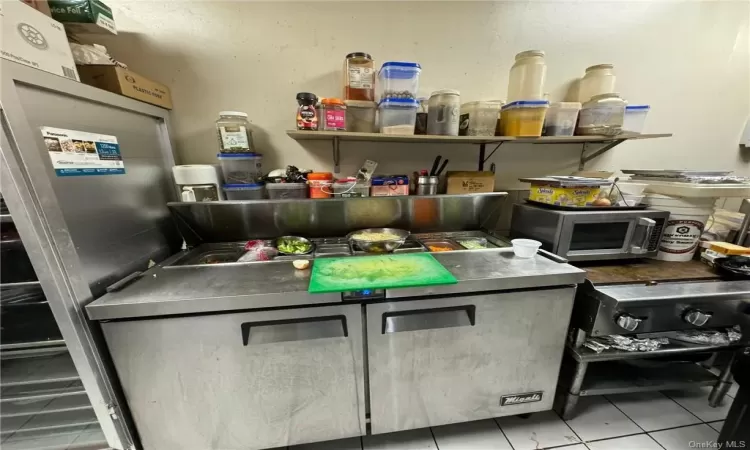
377 272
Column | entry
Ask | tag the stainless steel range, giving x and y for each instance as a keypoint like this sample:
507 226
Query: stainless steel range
245 350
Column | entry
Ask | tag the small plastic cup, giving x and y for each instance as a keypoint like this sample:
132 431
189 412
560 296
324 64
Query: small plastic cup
525 248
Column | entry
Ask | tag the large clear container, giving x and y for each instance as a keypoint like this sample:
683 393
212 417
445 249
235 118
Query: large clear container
245 191
560 119
635 118
526 81
287 190
359 77
333 116
234 133
603 115
398 116
599 79
350 187
523 118
479 118
360 116
443 113
399 80
241 168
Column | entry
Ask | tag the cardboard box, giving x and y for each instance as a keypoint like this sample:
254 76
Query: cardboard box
40 5
83 16
470 182
126 82
29 37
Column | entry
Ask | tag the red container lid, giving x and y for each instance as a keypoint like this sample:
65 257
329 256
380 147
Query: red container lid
320 176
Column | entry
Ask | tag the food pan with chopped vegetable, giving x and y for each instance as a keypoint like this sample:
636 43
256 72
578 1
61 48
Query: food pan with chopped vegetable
294 245
378 240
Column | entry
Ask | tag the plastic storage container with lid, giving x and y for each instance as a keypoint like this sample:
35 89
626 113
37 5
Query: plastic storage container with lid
399 80
599 79
560 119
241 168
255 191
286 190
526 81
398 116
602 115
523 118
443 113
333 116
359 77
479 118
360 116
350 187
635 118
234 133
320 184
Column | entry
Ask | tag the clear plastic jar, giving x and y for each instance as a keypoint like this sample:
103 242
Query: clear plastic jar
443 113
333 116
479 118
234 133
599 79
359 77
602 115
527 76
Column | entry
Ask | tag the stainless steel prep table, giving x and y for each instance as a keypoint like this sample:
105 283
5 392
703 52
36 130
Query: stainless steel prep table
248 359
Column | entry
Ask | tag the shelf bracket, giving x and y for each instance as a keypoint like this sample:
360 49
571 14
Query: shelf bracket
482 148
336 155
600 150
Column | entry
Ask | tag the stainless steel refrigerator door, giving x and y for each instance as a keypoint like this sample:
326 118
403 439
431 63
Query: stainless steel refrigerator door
457 359
243 381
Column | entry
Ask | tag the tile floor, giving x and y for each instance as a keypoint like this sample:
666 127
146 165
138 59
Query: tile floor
668 420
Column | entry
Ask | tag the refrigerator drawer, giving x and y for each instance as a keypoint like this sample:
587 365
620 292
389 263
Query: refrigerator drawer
439 361
243 381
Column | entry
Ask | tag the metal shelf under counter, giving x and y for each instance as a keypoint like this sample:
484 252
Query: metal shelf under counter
591 146
621 377
57 368
674 348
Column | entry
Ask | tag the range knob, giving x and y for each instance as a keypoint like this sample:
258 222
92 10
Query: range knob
696 317
627 321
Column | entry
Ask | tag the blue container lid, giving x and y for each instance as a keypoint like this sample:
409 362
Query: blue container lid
239 155
249 186
399 102
637 107
400 65
527 104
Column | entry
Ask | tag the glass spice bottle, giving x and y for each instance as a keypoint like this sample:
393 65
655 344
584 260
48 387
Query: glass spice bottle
359 77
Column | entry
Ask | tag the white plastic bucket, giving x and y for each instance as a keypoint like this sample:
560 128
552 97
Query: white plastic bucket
682 232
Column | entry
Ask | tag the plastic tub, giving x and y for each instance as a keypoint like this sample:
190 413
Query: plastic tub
560 119
602 115
320 184
525 248
687 220
349 187
398 116
241 168
286 190
399 80
360 116
523 118
245 191
599 79
635 118
443 113
479 118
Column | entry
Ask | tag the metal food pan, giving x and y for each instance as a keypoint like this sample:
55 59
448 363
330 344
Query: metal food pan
441 243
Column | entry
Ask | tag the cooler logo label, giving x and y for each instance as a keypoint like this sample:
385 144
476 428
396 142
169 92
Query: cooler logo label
517 399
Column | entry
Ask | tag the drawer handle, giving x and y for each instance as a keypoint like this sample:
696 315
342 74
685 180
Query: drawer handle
302 329
427 319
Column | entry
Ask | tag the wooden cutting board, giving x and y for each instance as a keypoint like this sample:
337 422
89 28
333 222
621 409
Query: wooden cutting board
377 272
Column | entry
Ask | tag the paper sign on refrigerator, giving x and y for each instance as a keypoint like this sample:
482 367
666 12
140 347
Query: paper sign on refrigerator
75 153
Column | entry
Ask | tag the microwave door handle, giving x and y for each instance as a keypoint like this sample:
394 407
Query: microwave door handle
650 224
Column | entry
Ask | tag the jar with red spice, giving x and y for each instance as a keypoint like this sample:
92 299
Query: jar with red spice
321 184
359 77
333 116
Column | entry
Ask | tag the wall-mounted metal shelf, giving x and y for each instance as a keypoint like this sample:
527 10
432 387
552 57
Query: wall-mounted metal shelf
591 146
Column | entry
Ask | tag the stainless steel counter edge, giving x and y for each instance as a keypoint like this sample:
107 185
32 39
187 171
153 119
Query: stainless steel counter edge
176 290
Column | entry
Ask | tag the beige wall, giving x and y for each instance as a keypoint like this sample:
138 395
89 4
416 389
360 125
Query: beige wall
689 60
